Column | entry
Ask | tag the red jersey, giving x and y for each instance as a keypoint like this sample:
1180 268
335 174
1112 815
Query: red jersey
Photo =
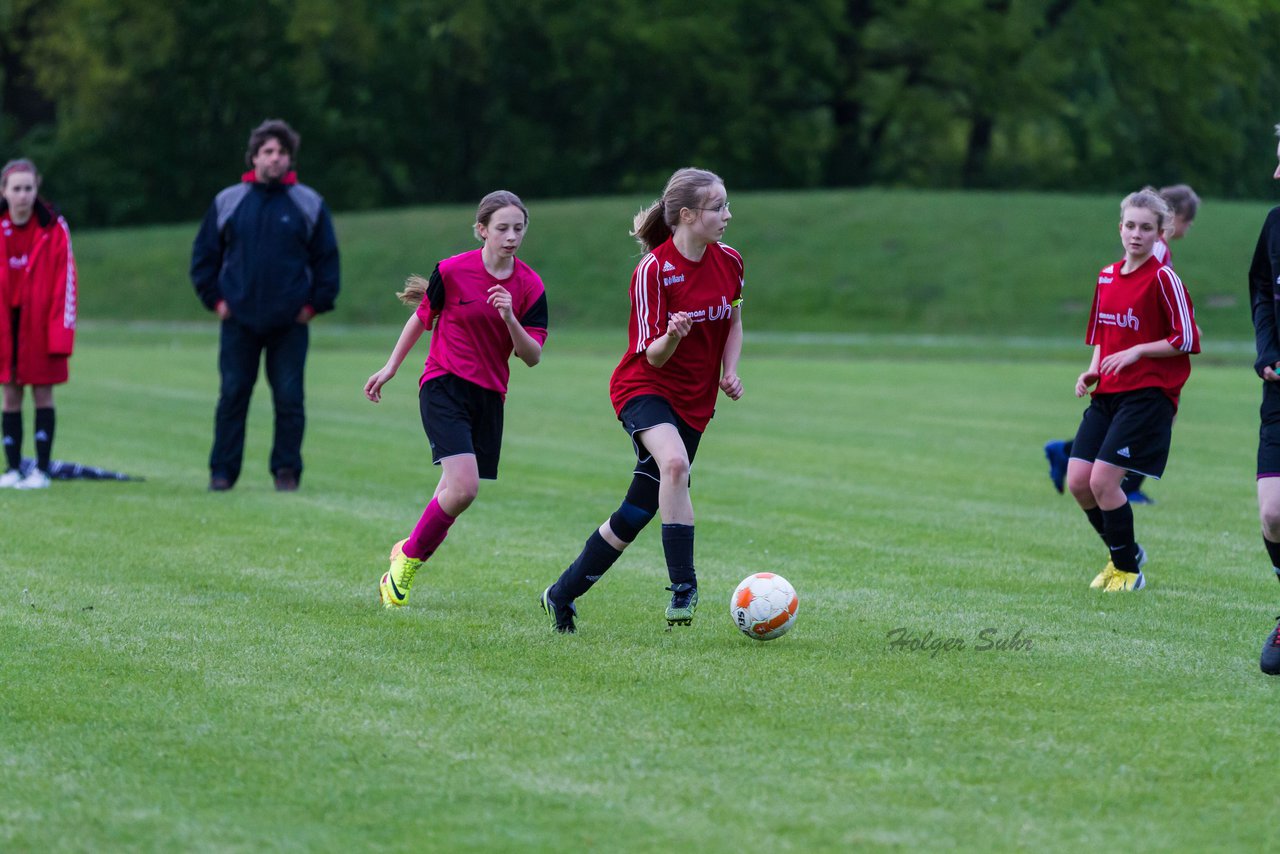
1148 304
666 282
471 340
47 291
18 240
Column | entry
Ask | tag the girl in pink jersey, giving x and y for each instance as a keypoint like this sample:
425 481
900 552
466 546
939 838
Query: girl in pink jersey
1143 332
483 305
37 316
685 339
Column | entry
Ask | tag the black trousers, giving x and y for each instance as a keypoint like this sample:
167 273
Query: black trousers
239 355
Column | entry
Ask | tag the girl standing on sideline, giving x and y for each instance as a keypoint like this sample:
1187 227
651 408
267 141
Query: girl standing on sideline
37 316
483 304
1143 332
685 339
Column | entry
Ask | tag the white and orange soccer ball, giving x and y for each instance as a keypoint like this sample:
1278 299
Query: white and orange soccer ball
764 606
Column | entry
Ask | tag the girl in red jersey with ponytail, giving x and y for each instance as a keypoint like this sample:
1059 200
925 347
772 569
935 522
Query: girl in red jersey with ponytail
685 339
1143 332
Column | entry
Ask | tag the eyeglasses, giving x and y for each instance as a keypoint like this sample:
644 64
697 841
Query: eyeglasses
723 206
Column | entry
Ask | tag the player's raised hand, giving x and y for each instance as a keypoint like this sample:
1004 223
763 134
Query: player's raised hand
500 298
679 324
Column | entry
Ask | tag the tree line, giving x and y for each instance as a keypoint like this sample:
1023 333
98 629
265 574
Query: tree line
138 110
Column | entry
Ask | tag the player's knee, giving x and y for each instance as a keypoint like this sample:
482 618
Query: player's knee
1269 512
675 470
1078 485
628 521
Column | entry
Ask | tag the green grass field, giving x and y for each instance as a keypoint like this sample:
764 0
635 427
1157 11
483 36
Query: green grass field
198 672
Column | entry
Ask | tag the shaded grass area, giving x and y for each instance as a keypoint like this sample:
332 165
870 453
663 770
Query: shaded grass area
864 261
197 671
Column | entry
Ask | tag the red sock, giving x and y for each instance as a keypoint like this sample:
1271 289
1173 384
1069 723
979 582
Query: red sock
429 533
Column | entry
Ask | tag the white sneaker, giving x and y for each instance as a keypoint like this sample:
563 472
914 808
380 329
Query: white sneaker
36 480
10 479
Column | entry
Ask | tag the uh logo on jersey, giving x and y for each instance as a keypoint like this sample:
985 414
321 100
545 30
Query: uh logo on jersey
711 312
1123 321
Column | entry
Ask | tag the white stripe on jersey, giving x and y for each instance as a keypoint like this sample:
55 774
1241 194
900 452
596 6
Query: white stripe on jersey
641 299
733 253
69 292
1181 308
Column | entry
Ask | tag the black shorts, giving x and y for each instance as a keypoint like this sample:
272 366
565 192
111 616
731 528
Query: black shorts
649 410
1269 432
1128 429
461 417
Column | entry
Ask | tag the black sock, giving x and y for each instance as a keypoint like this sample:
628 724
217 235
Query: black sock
1273 552
677 545
1118 532
44 437
1095 519
11 428
592 562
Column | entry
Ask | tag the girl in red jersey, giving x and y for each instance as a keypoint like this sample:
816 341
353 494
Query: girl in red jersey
37 316
1143 332
685 339
483 305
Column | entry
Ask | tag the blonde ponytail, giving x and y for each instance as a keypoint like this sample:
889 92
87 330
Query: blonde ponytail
415 288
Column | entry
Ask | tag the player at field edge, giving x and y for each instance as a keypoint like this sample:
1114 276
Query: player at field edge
37 317
1264 275
684 343
1143 332
482 305
1185 204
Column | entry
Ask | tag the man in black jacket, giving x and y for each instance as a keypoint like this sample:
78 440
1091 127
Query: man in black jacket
266 260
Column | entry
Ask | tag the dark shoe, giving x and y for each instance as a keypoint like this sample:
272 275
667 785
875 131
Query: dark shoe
286 480
1270 661
1056 453
219 484
684 600
561 615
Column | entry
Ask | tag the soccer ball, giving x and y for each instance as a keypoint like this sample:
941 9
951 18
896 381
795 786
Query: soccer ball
764 606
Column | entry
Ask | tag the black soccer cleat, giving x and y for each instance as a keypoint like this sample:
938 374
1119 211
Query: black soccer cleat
1270 660
684 601
561 616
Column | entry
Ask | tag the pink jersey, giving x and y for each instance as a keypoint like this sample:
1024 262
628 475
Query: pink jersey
470 339
666 282
1149 304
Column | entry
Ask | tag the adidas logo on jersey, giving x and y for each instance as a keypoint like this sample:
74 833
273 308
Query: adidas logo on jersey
667 267
1123 452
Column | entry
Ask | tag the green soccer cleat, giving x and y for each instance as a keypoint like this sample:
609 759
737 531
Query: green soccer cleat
395 583
684 601
561 615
